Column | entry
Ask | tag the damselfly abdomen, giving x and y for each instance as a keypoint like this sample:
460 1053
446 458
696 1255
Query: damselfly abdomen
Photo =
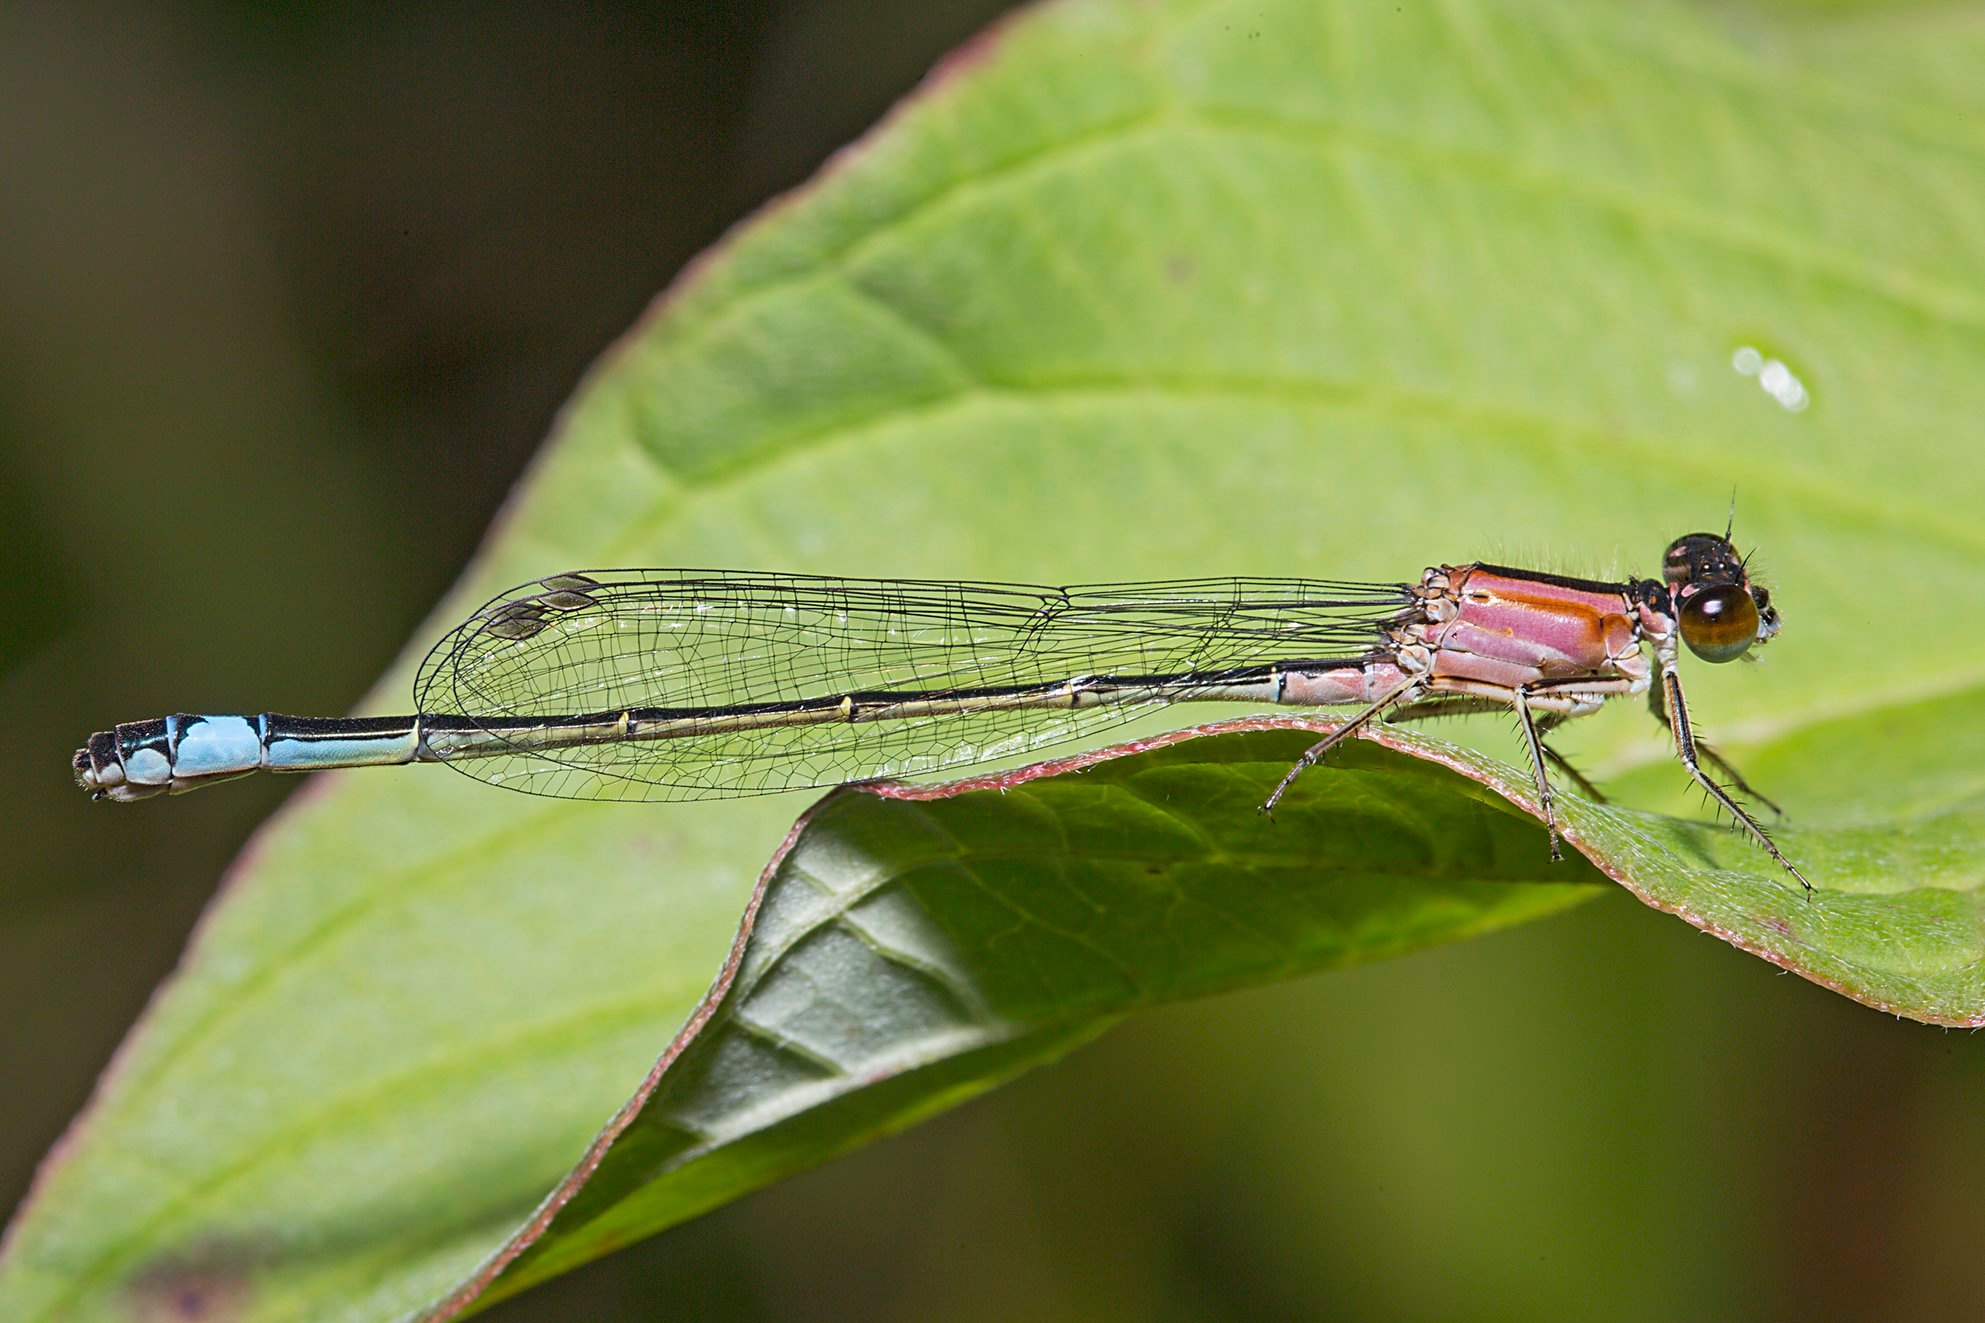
685 684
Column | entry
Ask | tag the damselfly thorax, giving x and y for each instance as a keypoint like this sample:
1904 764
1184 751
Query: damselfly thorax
685 684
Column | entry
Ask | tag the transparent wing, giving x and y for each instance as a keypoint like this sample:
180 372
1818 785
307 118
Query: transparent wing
712 650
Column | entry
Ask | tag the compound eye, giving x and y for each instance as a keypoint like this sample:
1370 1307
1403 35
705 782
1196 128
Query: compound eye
1719 624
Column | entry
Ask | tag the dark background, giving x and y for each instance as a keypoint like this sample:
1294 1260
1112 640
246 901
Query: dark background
289 294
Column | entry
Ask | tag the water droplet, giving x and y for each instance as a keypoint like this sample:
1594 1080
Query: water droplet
1774 378
1781 385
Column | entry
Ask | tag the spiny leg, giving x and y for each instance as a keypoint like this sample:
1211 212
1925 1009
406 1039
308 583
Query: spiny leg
1521 701
1549 722
1433 709
1404 692
1685 747
1444 705
1715 759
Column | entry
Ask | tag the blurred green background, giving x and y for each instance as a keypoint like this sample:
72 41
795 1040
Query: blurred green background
287 298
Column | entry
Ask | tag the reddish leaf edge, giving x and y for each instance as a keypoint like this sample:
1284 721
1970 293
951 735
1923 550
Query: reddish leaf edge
1415 746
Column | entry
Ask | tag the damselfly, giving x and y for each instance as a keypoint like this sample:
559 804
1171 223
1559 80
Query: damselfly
686 684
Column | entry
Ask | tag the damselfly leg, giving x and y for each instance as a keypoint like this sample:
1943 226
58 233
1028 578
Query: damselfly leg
1686 750
1584 783
1657 704
1404 693
1536 747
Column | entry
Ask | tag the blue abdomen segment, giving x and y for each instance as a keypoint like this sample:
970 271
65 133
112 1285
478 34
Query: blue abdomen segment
312 744
213 746
174 754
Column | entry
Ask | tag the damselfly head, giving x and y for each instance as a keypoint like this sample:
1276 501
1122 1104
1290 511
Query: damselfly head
1720 612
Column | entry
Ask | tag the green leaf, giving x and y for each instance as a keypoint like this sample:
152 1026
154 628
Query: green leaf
909 948
1136 291
911 945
